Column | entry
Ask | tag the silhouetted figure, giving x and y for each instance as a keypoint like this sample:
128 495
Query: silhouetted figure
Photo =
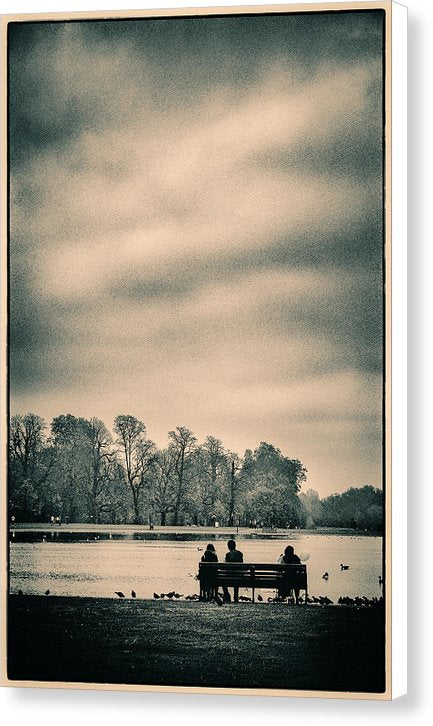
210 555
119 594
233 555
289 558
133 593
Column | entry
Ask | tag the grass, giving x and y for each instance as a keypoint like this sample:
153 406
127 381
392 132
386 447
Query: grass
195 644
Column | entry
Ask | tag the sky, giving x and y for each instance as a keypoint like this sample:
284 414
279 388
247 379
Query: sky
196 230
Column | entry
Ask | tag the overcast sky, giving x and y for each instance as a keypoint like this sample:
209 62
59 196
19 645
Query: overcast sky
196 230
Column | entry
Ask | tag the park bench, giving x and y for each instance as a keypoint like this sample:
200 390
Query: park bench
254 576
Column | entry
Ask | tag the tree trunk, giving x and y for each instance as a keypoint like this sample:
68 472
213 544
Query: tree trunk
232 496
179 491
137 518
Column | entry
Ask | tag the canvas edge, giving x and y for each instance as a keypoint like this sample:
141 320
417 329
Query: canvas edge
398 510
396 615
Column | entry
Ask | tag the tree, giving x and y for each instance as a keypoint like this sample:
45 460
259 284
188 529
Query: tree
356 508
31 461
102 471
71 438
312 507
273 485
138 454
210 467
182 444
163 495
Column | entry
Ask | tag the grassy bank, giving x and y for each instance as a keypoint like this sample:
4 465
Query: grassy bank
191 643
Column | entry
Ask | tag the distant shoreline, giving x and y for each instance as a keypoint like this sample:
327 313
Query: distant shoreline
83 531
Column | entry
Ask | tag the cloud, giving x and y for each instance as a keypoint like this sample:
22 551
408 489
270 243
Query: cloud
196 228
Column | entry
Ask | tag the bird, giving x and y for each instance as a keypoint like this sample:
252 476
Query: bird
259 598
133 593
156 596
170 594
325 601
119 594
344 567
380 580
199 549
325 576
47 592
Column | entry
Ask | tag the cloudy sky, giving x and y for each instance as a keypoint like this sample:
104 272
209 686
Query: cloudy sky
196 230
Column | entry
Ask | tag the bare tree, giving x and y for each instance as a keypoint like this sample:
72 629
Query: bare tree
31 460
138 454
163 489
182 445
101 470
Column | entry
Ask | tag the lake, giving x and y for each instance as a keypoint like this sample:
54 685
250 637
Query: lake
98 568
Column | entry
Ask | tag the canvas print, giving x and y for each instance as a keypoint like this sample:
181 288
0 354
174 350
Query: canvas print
196 350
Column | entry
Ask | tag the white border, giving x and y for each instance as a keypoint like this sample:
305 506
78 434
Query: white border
41 705
399 350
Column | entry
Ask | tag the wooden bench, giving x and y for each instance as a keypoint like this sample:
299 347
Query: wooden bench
256 576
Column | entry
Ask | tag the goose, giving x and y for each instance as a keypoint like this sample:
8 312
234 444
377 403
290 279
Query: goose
325 576
119 594
259 598
47 592
380 580
344 567
133 593
156 596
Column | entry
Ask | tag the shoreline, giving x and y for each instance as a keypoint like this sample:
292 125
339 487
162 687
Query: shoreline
80 531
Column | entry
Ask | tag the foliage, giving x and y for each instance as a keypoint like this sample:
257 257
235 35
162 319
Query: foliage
79 471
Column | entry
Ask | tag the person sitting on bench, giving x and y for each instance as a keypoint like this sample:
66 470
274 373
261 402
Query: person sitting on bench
289 558
210 556
233 555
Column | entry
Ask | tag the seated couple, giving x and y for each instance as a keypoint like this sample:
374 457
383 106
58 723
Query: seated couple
233 555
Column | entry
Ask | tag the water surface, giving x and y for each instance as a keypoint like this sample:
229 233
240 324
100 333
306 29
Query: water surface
98 568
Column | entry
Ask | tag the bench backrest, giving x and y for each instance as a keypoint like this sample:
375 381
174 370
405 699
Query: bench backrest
247 574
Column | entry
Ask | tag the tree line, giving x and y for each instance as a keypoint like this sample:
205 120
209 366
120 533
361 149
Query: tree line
77 469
